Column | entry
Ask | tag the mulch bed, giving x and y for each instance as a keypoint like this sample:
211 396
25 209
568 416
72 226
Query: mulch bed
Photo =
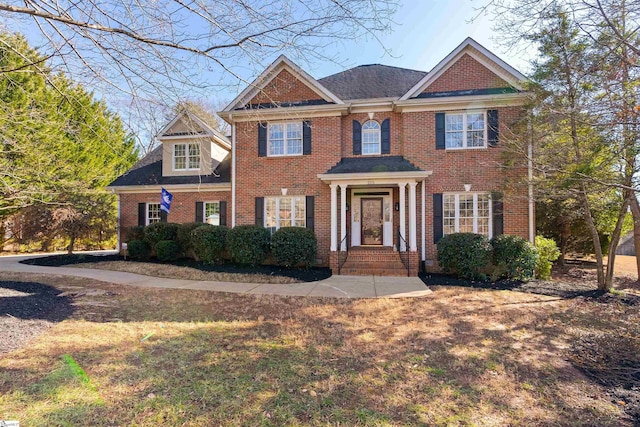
27 309
303 275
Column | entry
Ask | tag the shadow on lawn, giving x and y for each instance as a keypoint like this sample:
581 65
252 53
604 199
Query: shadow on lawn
31 300
416 362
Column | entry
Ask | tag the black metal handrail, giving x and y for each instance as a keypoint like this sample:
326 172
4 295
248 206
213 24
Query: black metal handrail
404 254
342 254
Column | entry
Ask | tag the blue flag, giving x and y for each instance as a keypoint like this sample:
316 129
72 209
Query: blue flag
165 200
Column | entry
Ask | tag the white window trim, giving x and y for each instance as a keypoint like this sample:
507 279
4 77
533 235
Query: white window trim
204 210
379 152
187 157
464 130
147 213
475 212
293 211
285 139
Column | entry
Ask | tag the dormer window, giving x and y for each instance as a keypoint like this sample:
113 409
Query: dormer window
371 137
186 157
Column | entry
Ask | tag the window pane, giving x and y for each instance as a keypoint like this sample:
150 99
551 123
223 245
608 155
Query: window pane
194 156
371 125
300 212
475 121
449 225
294 146
371 137
475 139
276 131
180 149
449 204
153 212
212 213
179 156
453 139
294 130
270 215
285 212
453 122
276 147
465 222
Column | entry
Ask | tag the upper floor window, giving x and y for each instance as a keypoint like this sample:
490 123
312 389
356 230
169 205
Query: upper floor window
285 212
211 212
186 157
467 213
285 139
465 130
153 213
371 137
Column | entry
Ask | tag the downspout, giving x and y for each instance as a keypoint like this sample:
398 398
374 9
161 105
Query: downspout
532 224
233 175
117 221
422 225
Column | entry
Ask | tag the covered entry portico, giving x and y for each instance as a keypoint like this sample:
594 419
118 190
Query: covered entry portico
370 214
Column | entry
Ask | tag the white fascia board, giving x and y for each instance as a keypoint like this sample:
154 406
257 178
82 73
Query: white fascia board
504 70
461 102
219 138
373 178
372 106
288 113
282 62
178 188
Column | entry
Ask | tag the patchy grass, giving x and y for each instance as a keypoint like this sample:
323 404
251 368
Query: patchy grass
460 357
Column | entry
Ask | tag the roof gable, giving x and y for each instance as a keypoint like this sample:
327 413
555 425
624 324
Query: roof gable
290 70
187 124
474 53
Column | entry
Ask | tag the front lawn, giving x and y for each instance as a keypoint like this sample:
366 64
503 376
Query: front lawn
463 356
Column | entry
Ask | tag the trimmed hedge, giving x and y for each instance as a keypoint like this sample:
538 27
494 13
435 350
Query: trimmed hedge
167 250
547 253
138 250
514 258
465 254
159 231
209 242
183 236
248 244
135 233
294 246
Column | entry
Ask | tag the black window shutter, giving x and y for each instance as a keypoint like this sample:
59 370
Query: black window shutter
163 216
492 128
260 211
142 214
440 131
306 137
199 212
357 137
438 226
223 213
310 212
385 136
497 206
262 139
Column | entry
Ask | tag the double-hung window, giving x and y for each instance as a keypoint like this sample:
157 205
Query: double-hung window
467 213
186 157
211 212
153 213
285 139
466 130
284 212
371 137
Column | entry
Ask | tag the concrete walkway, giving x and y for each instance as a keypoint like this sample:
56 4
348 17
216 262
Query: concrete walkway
335 286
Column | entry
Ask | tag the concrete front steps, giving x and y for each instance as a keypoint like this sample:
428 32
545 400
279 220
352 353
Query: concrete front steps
373 261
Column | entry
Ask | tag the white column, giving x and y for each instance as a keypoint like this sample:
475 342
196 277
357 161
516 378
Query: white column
343 217
413 246
422 222
334 217
402 187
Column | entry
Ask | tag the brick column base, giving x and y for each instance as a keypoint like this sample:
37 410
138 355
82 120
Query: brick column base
414 263
333 262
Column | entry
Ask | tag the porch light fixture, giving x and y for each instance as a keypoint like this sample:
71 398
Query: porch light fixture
284 191
396 206
347 207
467 187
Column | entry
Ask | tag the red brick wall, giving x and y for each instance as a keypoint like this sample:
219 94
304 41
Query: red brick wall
183 206
465 74
284 88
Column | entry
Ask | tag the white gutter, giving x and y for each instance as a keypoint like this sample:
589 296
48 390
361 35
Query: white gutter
118 222
233 174
532 225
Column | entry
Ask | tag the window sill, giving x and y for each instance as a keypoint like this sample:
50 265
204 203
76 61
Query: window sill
466 149
284 156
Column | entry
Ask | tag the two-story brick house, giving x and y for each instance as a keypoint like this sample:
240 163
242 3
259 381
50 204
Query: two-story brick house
380 161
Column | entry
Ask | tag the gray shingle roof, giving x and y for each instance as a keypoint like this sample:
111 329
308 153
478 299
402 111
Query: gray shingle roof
372 81
378 164
148 171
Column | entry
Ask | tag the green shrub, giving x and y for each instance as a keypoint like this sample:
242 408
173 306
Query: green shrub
183 236
209 242
514 258
248 244
467 255
159 231
547 253
135 233
138 250
167 250
294 246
